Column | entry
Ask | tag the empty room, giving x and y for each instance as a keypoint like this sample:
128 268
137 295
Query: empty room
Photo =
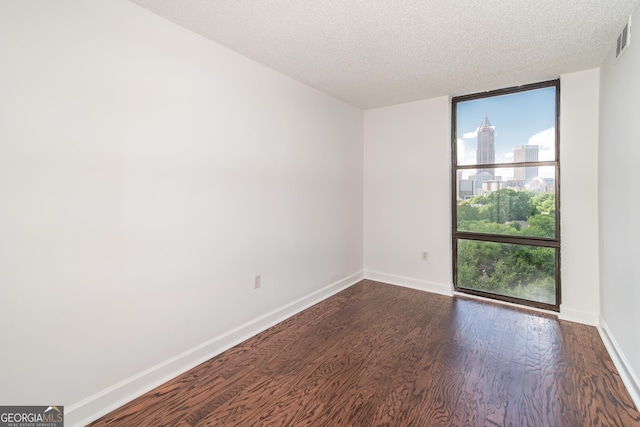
327 213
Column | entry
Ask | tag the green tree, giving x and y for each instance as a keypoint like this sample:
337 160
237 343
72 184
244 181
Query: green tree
508 205
467 212
508 269
541 225
499 207
545 202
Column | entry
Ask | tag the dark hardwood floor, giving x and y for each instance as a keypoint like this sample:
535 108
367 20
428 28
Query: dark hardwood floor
382 355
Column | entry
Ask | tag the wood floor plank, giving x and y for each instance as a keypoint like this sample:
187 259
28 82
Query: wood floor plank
382 355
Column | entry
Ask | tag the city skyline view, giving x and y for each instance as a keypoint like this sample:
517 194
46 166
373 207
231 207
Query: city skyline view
518 119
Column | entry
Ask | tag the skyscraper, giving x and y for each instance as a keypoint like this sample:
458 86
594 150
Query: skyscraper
525 153
486 152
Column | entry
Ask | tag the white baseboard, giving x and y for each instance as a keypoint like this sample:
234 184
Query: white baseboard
629 377
579 316
105 401
408 282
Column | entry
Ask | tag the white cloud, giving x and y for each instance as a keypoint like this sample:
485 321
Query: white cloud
471 135
466 155
546 141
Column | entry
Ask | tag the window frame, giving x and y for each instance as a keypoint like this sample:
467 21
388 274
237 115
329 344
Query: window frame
505 238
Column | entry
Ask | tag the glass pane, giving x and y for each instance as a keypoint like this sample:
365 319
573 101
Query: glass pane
512 201
519 271
517 127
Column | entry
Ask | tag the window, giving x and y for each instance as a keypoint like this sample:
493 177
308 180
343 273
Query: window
505 198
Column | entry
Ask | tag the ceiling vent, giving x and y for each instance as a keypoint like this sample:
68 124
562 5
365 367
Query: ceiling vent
624 40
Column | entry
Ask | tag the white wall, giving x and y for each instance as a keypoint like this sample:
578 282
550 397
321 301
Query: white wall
619 205
146 175
579 196
407 204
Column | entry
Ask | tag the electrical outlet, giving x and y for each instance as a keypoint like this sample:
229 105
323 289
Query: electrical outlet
425 255
256 281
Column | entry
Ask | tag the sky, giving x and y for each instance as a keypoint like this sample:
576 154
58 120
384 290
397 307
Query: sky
518 118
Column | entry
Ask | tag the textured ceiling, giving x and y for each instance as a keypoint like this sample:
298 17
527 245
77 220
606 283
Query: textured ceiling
372 53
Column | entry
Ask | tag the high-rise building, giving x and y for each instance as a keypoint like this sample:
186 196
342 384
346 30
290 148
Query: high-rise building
486 151
525 153
466 189
481 177
489 187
